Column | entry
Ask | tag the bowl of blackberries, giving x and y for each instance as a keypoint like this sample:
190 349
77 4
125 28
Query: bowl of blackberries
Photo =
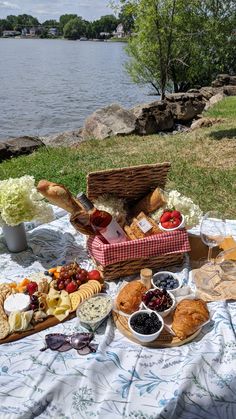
166 280
145 325
159 300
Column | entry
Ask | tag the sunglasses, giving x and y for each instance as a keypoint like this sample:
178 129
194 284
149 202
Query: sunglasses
62 343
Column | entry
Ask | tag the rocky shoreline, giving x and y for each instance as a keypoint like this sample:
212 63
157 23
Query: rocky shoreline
178 112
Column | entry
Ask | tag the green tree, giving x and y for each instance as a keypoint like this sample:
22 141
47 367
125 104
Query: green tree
178 45
64 19
74 28
4 25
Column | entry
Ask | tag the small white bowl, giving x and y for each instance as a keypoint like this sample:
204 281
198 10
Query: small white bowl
182 224
159 274
161 313
93 324
141 337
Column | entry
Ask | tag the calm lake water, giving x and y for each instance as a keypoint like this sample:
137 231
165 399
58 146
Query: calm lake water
49 86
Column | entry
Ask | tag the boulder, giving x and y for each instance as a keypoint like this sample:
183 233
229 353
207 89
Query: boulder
152 118
64 139
229 90
224 80
185 106
214 99
205 122
109 121
17 146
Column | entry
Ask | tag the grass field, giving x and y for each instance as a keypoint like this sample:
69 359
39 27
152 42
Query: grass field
203 162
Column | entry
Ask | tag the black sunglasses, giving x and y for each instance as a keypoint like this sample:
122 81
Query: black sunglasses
62 343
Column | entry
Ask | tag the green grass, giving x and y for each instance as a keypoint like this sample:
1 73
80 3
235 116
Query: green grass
203 162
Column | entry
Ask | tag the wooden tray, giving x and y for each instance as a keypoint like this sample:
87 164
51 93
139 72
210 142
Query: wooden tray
49 322
165 340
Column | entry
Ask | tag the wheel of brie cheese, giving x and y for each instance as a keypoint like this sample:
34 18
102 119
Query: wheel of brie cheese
16 302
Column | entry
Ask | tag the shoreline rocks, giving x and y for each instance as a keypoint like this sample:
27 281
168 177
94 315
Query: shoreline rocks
181 110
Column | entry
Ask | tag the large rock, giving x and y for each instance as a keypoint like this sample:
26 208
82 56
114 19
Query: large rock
109 121
224 80
152 118
205 122
17 146
185 106
214 100
64 139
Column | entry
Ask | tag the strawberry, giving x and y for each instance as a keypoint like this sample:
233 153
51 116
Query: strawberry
176 222
166 216
167 224
176 214
71 287
32 287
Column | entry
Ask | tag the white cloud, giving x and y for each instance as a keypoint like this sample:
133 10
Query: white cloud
53 9
8 5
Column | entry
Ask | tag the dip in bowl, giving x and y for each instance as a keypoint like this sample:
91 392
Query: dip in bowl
93 311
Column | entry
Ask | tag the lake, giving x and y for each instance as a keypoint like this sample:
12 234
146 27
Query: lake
50 86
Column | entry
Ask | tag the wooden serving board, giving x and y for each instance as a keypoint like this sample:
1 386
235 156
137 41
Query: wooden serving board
165 340
48 322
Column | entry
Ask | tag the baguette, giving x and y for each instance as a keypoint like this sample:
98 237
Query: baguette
59 195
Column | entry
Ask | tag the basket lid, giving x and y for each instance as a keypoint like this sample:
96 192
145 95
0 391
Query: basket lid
130 183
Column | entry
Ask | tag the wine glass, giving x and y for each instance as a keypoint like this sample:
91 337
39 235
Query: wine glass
212 231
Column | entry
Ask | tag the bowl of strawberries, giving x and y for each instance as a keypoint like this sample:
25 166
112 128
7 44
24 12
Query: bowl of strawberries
171 220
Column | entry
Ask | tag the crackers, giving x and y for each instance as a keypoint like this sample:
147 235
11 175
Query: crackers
5 290
84 292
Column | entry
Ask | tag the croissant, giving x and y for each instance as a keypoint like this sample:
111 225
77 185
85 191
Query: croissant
189 315
58 195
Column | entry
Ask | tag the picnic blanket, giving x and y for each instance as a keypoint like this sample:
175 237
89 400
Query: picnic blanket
122 379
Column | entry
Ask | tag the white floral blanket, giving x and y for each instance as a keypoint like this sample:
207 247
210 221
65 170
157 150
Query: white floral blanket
122 379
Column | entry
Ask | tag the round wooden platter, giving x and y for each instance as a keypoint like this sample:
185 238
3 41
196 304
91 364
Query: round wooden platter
165 340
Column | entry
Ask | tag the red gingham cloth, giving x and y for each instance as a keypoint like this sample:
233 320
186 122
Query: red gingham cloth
158 244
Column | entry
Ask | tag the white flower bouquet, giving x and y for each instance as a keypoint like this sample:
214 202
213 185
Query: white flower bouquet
174 200
20 201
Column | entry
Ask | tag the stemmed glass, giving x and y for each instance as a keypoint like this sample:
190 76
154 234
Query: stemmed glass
212 231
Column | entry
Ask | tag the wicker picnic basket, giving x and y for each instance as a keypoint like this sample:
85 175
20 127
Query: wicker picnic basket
131 184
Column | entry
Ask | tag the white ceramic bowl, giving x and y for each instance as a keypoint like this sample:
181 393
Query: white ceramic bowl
158 275
141 337
161 313
94 323
182 224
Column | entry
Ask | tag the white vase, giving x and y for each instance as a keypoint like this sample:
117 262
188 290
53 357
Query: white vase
15 237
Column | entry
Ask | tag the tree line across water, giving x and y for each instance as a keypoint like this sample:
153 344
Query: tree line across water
69 26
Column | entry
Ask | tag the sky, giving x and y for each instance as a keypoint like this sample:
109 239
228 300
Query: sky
53 9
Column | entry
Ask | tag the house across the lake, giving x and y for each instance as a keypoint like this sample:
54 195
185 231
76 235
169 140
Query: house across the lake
9 34
53 32
119 32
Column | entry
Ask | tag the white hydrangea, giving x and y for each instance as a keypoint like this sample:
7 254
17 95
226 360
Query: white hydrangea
185 205
20 201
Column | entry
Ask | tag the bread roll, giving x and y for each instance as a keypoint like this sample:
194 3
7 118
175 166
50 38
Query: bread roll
150 203
58 195
130 297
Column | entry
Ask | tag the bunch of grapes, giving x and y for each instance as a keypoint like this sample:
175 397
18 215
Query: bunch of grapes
71 274
34 302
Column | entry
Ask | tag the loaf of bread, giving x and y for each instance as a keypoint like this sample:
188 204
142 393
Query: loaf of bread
150 203
130 297
58 195
189 315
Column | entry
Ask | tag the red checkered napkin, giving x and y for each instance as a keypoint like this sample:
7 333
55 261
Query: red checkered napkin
158 244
